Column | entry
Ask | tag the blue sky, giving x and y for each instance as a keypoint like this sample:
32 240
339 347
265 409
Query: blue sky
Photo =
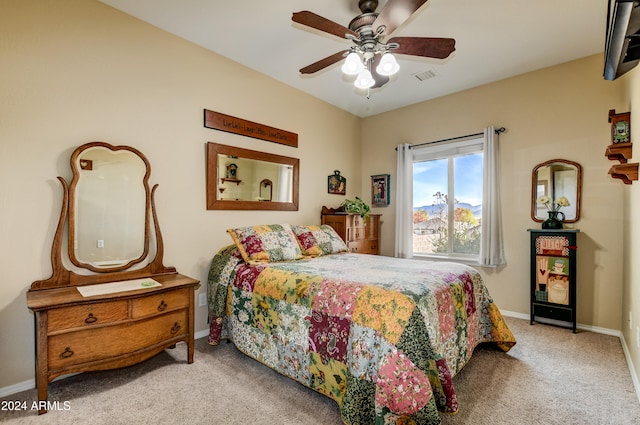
431 176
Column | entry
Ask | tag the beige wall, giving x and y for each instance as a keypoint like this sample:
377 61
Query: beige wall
558 112
631 289
75 71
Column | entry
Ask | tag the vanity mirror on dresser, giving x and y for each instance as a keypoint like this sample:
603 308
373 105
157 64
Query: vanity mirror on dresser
110 301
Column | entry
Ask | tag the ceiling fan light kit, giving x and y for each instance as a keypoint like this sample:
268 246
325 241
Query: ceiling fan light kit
352 64
370 58
388 65
364 80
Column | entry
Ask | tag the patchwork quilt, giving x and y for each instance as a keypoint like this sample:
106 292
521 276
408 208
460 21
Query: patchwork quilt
381 336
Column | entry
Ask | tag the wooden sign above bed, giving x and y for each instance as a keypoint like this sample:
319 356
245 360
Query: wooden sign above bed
218 121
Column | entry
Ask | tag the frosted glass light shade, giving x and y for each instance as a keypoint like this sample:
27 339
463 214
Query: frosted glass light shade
364 80
352 64
388 65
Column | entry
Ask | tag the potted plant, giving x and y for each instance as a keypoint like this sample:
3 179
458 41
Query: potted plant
356 206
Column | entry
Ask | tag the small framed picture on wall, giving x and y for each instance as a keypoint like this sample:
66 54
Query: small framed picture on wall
380 196
336 183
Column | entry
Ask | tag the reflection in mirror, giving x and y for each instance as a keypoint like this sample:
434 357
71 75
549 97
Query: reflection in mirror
109 195
243 179
244 183
556 178
266 190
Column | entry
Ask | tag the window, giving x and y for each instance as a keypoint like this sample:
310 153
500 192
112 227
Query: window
447 199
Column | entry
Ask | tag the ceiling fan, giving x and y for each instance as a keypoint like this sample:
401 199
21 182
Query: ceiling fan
370 56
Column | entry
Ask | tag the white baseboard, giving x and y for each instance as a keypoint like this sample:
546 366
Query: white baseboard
589 328
201 334
632 370
29 384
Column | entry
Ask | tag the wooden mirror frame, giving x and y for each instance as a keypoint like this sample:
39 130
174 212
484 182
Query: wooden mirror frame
534 185
61 276
76 168
213 203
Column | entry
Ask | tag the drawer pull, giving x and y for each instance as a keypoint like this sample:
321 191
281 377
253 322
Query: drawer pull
90 319
176 327
66 353
162 306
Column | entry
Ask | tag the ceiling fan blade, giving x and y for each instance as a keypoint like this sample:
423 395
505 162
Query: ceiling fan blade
323 63
395 12
381 80
312 20
428 47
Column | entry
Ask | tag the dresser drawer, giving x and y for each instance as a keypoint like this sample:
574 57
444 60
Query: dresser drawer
357 233
364 247
95 344
87 315
356 221
553 312
155 304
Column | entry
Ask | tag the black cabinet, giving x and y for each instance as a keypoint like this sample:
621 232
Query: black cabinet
553 275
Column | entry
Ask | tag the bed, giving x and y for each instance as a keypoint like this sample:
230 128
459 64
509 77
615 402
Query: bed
381 336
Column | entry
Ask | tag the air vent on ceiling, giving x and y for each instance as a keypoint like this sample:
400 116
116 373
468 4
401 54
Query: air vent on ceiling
425 75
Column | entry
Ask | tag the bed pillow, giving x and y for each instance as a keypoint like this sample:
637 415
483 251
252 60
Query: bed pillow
266 244
319 240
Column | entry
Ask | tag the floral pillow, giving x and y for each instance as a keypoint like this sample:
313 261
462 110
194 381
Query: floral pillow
319 240
266 244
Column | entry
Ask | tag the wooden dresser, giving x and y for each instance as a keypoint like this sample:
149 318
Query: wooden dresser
141 310
78 334
360 237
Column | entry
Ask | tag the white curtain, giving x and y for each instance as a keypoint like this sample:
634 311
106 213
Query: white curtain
285 181
404 202
491 248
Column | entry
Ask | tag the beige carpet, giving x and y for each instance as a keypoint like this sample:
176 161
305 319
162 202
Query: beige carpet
551 376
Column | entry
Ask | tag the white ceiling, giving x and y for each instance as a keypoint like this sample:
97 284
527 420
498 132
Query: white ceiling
495 39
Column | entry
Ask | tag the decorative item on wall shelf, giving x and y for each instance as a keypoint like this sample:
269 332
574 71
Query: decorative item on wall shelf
553 210
232 171
337 184
380 190
621 148
620 126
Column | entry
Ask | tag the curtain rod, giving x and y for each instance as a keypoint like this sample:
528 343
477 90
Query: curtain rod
497 130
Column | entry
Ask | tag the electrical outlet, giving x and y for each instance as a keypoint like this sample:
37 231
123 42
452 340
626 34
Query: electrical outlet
202 300
100 243
638 336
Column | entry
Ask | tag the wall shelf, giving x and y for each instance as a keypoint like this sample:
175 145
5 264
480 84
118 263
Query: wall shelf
619 152
236 181
625 172
620 148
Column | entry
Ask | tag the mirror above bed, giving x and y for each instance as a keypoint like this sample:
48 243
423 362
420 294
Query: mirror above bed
556 178
244 179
